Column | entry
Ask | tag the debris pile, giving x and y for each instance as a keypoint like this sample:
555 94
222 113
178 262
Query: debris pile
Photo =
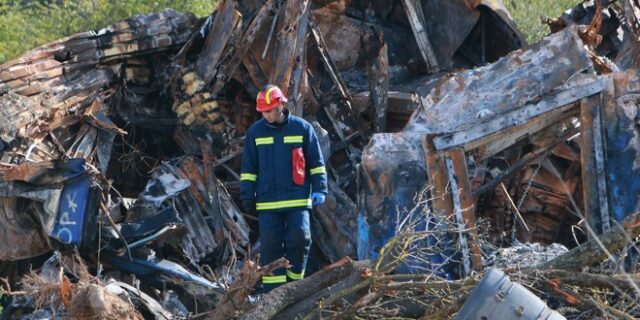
446 140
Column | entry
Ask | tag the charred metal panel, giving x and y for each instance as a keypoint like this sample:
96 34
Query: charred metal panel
473 97
48 198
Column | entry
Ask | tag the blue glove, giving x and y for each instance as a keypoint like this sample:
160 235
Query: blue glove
317 198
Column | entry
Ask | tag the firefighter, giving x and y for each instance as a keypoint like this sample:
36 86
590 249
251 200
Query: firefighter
283 175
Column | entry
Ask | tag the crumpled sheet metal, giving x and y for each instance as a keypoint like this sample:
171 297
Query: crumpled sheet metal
468 97
622 140
30 196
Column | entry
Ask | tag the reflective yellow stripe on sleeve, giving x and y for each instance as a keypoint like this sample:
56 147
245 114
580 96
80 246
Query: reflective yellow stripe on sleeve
266 140
248 177
283 204
292 139
318 170
295 276
274 279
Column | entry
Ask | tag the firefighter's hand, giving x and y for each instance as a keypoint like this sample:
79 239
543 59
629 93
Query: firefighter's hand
247 206
317 198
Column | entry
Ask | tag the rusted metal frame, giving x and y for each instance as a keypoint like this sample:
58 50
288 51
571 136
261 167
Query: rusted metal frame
333 70
522 162
379 86
413 9
522 114
456 162
295 11
219 33
598 148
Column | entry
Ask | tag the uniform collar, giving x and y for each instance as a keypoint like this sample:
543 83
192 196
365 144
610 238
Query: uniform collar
281 124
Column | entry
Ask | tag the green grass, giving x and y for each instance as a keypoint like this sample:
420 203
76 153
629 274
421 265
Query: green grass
527 13
25 25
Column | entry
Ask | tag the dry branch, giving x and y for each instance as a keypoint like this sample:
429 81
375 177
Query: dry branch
597 249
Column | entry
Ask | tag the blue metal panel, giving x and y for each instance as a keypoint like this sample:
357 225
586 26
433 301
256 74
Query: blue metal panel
622 145
72 209
393 171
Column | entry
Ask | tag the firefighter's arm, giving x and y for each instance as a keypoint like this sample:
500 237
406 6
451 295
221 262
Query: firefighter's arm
249 171
315 162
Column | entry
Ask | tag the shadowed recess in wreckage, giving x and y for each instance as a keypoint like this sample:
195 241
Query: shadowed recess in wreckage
446 137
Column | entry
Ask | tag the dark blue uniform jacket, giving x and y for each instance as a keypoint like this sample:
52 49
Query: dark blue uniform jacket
267 167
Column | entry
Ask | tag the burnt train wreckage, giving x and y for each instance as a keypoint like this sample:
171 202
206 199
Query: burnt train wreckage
125 142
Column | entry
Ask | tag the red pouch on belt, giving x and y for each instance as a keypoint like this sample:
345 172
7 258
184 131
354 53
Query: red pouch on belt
298 165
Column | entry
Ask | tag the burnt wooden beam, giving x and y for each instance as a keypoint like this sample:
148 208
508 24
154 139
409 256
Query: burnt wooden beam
415 15
242 47
300 80
588 155
598 148
255 72
379 85
219 34
463 241
294 11
437 174
464 203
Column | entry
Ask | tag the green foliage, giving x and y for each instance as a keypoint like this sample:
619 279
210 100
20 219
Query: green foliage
527 15
25 25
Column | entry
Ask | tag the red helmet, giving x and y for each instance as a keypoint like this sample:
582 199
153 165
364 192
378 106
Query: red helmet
269 97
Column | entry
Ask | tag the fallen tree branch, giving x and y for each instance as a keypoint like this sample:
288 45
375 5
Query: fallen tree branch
280 298
238 292
597 249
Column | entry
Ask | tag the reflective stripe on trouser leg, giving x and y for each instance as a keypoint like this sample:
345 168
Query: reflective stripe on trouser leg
272 229
297 239
294 276
274 279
